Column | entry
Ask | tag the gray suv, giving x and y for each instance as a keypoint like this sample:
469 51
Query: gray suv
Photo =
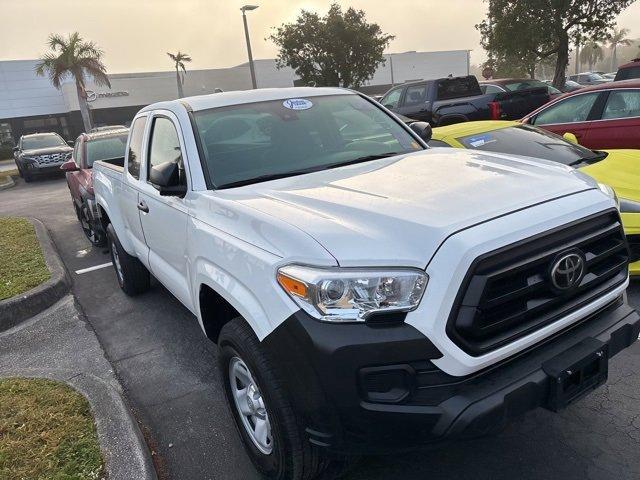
40 153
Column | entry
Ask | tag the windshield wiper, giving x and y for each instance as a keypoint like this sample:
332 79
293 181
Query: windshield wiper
276 176
599 156
366 158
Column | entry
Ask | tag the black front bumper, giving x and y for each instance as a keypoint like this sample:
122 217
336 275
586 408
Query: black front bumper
34 169
373 389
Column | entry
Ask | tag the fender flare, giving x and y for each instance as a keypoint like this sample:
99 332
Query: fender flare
118 225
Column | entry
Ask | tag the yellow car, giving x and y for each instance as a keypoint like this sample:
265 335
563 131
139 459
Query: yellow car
619 169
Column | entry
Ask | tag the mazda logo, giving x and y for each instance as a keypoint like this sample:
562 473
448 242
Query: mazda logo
567 271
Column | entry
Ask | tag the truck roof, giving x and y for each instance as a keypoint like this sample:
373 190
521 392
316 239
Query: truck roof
223 99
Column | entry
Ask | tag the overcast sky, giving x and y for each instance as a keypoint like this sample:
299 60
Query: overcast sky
135 34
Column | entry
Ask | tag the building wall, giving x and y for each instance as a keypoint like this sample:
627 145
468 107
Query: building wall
24 94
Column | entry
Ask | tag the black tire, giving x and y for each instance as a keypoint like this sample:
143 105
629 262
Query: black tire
27 177
20 170
133 277
292 457
93 232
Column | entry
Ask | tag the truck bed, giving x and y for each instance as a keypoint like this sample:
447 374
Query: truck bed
116 164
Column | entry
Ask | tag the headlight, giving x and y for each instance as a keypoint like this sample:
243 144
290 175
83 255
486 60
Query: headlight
629 206
352 295
606 189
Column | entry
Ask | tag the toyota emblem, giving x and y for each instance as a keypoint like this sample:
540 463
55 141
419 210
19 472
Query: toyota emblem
567 271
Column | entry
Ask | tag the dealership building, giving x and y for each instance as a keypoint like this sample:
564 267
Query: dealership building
30 104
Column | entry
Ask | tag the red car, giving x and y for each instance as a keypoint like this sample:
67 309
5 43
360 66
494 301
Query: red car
602 116
88 148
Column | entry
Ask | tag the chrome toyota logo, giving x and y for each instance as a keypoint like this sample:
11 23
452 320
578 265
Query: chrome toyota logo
567 271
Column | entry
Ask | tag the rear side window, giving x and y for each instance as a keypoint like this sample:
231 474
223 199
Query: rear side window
622 104
571 110
449 88
135 147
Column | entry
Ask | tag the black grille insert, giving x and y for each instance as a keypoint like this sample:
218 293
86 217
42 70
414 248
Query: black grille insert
508 293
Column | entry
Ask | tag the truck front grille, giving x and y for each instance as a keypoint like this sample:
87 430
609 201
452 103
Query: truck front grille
510 292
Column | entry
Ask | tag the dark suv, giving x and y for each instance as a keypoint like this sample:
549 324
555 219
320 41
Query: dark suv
40 153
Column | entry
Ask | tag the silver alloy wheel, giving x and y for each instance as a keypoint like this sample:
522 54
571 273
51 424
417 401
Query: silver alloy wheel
250 405
86 225
116 262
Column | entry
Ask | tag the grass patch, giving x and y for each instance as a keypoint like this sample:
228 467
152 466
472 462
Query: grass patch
22 264
46 432
8 173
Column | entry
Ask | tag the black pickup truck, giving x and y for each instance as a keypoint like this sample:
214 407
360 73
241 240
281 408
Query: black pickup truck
445 101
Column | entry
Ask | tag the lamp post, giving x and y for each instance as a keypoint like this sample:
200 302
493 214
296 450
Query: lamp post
246 35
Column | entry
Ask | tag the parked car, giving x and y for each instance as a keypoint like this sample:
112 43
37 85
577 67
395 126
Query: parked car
569 85
589 78
619 169
446 101
629 70
105 128
366 293
40 154
603 116
517 85
90 147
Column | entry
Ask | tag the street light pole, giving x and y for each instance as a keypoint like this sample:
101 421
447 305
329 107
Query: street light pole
246 35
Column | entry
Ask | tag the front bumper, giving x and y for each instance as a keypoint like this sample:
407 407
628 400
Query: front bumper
372 389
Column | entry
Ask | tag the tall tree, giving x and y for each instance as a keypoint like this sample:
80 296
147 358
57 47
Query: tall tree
591 53
179 60
339 49
76 58
545 28
618 38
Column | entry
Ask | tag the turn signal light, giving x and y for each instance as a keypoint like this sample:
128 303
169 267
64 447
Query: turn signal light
292 286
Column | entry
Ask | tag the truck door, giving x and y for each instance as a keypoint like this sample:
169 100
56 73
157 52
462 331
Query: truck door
164 219
128 197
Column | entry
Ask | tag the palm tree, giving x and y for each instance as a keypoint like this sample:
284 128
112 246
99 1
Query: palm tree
591 53
179 59
76 58
618 37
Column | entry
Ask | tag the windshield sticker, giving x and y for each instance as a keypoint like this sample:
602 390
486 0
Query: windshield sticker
297 104
480 140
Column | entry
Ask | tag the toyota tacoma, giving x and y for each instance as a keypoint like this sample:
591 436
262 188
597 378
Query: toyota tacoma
367 293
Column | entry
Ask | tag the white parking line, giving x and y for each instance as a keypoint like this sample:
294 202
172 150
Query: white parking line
91 269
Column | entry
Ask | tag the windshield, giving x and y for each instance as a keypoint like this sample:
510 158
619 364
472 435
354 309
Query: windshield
251 142
42 141
531 142
106 148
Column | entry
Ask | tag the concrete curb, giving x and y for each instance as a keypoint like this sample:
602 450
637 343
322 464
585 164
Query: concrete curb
19 308
125 452
8 183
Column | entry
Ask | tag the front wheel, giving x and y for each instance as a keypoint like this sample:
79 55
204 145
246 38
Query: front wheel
133 277
270 428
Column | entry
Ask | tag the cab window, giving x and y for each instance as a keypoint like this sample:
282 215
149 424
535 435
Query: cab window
391 99
164 145
415 95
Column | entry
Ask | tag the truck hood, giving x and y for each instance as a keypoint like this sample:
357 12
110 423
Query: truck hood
398 211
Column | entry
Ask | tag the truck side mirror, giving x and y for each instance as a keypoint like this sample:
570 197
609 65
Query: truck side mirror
423 129
166 178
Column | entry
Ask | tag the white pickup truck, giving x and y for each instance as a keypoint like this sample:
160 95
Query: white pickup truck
367 293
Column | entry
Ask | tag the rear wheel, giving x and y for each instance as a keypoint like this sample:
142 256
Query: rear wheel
270 428
94 234
133 277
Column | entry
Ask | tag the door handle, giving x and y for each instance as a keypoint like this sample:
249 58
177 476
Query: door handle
143 207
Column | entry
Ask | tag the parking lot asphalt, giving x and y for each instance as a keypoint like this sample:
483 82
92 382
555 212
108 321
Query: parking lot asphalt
166 367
